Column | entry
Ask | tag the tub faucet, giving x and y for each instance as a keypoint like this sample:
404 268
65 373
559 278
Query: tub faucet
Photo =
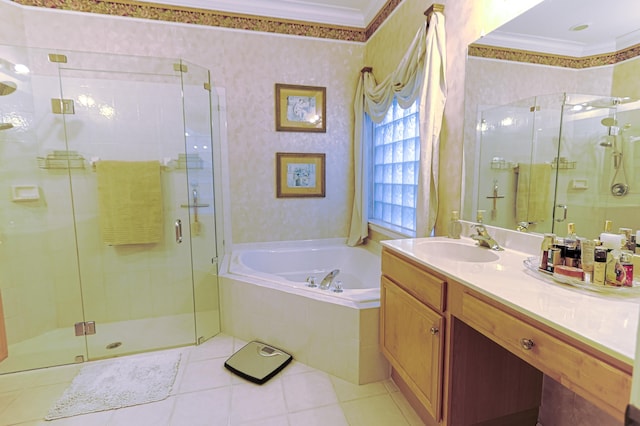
483 238
328 279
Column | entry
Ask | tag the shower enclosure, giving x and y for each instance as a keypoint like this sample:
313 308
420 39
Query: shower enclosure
68 293
545 161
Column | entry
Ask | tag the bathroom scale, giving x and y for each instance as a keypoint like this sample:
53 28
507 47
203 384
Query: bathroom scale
257 362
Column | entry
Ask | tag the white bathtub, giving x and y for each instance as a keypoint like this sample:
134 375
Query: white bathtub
289 264
264 296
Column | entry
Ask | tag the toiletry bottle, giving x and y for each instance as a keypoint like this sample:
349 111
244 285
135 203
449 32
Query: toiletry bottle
570 244
626 262
587 258
599 265
637 250
547 243
480 216
571 240
455 227
615 274
611 240
627 236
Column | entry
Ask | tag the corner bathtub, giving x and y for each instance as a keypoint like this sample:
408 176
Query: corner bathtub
264 296
289 265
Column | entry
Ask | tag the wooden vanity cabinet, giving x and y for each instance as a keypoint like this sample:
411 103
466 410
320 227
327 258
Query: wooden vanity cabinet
412 328
588 372
466 359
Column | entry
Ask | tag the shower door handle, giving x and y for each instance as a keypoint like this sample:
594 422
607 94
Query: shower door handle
564 217
178 225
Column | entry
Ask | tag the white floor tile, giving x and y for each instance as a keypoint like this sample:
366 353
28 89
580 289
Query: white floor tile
202 375
32 404
206 408
252 402
308 390
219 347
153 414
94 419
348 391
271 421
373 411
207 394
322 416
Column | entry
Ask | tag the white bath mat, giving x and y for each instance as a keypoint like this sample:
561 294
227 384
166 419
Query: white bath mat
119 383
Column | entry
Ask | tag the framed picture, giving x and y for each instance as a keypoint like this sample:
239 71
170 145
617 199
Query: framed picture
300 175
300 108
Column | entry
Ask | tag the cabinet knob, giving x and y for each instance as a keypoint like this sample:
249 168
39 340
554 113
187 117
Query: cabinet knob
434 330
527 344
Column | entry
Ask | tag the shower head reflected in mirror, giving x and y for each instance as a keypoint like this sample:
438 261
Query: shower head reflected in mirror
6 126
7 87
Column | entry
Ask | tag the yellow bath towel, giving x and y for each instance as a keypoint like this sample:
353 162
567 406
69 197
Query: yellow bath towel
532 198
130 201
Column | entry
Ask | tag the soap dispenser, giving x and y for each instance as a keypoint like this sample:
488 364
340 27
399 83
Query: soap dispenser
455 227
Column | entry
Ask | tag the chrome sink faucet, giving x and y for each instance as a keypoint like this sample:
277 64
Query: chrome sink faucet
483 238
328 279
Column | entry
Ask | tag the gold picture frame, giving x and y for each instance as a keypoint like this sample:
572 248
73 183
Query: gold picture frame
301 108
300 175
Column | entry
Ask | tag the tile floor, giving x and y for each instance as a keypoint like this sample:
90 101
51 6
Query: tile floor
205 393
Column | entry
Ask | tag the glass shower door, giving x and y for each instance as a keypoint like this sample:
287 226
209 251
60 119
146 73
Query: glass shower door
200 105
39 278
137 286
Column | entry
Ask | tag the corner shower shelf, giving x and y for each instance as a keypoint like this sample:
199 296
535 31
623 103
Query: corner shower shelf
562 164
502 164
62 160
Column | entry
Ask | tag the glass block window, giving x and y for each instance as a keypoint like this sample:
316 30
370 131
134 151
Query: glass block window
395 158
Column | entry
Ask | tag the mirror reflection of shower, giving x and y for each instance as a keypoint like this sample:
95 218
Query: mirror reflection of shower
615 140
7 87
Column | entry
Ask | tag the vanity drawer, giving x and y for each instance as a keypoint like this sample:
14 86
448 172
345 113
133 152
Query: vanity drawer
424 286
584 372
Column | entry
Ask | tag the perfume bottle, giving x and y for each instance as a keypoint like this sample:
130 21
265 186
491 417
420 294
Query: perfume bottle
455 227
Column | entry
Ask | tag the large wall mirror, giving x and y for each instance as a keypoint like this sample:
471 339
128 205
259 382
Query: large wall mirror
552 119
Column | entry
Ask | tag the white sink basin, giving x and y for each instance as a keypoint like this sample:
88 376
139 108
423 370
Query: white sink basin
455 251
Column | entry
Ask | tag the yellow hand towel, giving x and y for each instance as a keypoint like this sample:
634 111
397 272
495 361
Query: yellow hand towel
532 198
130 201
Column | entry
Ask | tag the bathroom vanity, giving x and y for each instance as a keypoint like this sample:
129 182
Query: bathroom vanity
470 336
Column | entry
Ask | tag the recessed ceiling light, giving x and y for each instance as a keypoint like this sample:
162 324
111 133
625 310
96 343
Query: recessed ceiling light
579 27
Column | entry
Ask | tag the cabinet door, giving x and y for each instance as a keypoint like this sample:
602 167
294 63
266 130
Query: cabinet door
411 337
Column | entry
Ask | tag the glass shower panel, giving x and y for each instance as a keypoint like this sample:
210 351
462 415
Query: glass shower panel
199 99
39 274
599 180
128 122
506 142
542 208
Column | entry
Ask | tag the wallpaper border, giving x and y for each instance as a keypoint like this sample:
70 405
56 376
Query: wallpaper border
516 55
213 18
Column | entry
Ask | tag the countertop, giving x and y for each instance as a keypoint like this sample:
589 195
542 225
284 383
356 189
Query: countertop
605 321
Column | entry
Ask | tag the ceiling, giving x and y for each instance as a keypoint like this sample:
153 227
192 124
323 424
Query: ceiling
546 27
350 13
